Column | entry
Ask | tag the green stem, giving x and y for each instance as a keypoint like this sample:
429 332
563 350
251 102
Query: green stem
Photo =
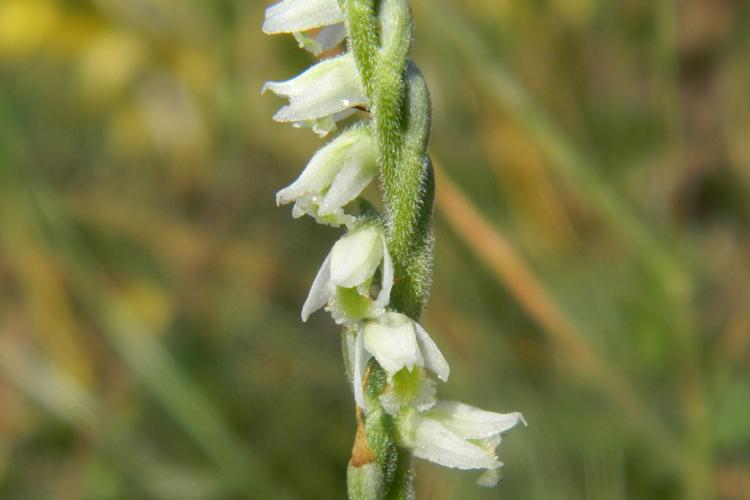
401 111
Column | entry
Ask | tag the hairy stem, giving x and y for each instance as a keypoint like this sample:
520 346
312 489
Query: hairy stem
401 111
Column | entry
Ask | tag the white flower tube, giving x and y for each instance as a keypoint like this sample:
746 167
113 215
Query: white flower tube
335 176
344 281
322 95
457 435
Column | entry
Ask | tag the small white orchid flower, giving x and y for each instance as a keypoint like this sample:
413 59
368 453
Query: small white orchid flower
335 176
322 95
457 435
404 350
399 342
345 279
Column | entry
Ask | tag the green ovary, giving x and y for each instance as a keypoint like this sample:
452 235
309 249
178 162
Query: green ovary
352 303
407 384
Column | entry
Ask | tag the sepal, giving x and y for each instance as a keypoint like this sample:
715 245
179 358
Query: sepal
295 16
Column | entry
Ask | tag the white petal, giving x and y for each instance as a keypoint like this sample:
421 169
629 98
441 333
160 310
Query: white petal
327 124
433 358
331 36
323 167
357 174
473 423
393 342
327 88
361 357
384 296
301 15
320 290
328 38
355 257
434 442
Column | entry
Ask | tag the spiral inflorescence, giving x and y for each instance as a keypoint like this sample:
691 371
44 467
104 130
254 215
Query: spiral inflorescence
375 280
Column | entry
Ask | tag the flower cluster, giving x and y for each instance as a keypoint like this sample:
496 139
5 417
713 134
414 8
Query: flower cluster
356 279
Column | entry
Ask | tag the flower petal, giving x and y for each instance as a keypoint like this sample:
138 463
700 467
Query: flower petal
359 171
292 16
473 423
384 296
328 38
433 358
433 441
320 290
361 357
323 168
327 88
391 339
355 257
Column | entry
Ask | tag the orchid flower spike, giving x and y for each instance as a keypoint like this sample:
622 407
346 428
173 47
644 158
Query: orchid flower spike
457 435
321 96
392 362
335 176
345 282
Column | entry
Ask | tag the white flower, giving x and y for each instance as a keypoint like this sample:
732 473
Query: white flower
322 95
335 176
398 342
403 349
457 435
345 279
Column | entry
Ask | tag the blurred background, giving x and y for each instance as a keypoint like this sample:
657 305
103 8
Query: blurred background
592 266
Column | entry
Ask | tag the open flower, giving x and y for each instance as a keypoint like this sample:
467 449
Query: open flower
344 283
457 435
399 342
404 350
324 94
335 176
